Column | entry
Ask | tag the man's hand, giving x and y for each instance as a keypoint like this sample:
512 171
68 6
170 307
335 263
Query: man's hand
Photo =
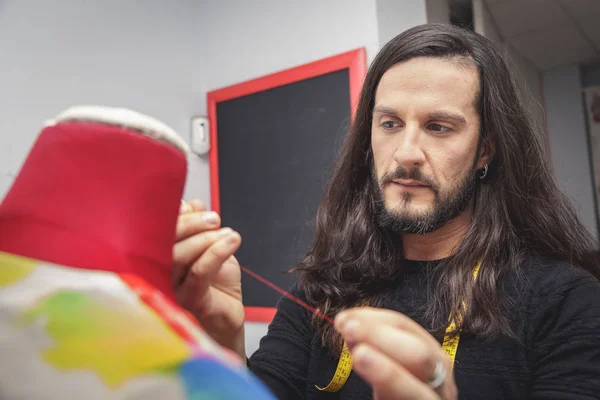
207 277
394 354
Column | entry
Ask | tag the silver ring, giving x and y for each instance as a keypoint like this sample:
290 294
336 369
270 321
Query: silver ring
438 377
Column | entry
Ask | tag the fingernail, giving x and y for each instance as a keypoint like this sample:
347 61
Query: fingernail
185 207
224 232
211 218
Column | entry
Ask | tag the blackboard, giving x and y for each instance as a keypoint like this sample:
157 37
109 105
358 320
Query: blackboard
273 154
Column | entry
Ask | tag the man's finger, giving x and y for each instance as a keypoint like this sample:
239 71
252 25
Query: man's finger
375 316
203 271
186 251
185 208
197 205
416 355
191 206
193 223
387 378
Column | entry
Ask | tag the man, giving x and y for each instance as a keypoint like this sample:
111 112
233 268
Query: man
464 267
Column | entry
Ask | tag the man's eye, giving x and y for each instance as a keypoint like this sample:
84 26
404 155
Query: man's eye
439 128
389 124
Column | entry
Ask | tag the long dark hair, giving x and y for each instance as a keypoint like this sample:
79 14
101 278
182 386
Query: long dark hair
518 209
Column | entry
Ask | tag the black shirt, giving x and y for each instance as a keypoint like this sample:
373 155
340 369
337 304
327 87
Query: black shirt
555 355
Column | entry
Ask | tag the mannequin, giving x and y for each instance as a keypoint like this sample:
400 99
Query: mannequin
86 238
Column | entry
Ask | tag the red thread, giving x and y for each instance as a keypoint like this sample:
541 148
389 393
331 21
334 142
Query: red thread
288 295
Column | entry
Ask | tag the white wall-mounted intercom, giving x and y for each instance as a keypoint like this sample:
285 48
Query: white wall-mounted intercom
200 136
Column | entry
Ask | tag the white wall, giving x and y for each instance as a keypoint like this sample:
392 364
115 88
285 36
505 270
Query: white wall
72 52
395 16
565 115
438 11
529 81
529 78
483 22
528 72
590 75
156 57
244 40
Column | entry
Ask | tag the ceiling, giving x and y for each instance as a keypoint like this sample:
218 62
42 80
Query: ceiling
550 33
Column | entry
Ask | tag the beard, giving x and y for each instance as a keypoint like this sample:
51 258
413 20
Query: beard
447 204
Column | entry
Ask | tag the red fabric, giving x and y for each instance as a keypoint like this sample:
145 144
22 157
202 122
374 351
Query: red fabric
98 197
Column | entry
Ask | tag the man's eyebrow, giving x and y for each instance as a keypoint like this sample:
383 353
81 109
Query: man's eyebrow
434 115
448 115
385 110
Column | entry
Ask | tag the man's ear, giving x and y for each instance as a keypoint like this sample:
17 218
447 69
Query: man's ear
487 151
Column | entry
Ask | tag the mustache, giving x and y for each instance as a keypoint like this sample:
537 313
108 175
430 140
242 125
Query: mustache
413 174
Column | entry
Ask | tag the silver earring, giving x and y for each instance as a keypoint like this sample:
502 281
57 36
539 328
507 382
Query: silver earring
484 173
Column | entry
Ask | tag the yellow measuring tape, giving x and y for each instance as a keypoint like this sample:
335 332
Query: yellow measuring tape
342 372
344 367
450 344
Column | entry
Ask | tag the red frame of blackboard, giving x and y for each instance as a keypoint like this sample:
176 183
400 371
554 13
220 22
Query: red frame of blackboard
356 63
